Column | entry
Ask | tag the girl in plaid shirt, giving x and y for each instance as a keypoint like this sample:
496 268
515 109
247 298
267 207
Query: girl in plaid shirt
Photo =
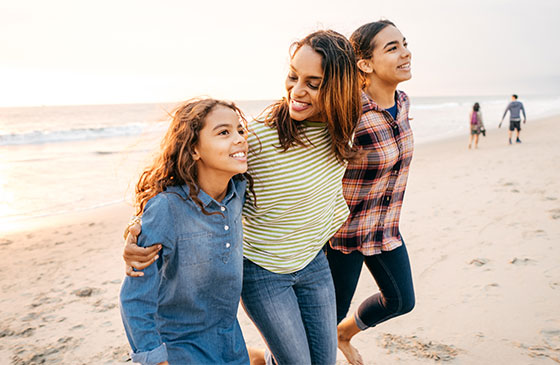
374 189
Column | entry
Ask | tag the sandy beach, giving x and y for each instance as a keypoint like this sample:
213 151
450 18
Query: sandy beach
482 229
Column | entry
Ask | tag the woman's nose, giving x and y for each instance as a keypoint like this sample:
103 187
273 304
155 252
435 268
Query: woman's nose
298 89
407 53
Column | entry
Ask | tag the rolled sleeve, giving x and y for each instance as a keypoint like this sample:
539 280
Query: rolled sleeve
153 357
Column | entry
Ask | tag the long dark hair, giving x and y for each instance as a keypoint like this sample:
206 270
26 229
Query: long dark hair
476 107
339 96
362 40
174 165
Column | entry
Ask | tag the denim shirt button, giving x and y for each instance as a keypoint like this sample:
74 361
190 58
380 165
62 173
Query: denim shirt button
226 228
223 209
228 245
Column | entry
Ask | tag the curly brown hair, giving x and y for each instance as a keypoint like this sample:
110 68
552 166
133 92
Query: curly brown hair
174 165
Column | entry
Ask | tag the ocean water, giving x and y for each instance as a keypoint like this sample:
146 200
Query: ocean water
60 159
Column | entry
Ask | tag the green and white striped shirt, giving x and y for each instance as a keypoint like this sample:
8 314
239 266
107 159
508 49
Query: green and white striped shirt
299 199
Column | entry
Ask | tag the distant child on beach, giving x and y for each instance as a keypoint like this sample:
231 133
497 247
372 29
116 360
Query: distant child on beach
515 108
477 126
183 308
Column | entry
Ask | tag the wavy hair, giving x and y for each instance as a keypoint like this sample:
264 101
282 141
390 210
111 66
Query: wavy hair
174 165
339 96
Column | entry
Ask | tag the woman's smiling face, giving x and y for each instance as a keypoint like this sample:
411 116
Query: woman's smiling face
390 61
302 84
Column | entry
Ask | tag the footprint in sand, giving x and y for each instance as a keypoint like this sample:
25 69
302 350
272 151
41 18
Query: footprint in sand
43 299
5 242
49 354
120 353
100 307
6 332
535 233
29 317
479 262
49 318
523 261
555 213
418 348
26 332
550 348
491 286
85 292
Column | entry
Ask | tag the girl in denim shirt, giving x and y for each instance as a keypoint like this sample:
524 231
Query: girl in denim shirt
183 309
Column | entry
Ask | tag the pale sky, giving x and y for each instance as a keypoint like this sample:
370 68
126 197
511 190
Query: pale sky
62 52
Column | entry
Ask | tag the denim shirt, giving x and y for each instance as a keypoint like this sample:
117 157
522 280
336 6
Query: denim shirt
184 308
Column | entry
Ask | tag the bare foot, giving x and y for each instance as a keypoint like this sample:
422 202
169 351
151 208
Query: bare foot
350 352
256 356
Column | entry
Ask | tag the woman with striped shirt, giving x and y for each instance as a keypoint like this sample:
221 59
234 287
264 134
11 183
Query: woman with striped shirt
298 159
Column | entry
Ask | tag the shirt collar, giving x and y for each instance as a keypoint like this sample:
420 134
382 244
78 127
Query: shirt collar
368 104
207 199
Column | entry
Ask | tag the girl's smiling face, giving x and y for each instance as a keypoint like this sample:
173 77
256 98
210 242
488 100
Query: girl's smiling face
302 85
222 146
390 61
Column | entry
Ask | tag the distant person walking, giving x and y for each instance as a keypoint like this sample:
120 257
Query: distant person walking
515 108
477 127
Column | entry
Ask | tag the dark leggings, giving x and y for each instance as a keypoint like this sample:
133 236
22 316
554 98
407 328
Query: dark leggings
391 271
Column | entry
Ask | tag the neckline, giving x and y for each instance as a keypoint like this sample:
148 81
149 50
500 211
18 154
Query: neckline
314 124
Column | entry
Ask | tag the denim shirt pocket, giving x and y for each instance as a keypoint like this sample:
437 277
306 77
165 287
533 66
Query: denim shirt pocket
195 248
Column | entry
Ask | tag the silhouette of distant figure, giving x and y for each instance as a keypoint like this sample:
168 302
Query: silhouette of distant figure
515 108
477 126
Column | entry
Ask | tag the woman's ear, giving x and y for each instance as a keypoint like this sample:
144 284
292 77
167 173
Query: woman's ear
365 66
195 154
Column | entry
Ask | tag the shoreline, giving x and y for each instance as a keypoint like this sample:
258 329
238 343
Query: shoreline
481 227
9 225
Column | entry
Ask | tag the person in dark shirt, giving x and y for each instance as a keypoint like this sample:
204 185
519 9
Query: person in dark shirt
515 108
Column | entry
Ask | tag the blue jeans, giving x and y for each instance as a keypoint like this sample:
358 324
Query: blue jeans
295 313
391 271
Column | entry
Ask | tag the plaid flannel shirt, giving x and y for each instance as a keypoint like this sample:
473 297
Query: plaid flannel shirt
374 186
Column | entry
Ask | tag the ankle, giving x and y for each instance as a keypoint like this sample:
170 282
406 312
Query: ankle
347 329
